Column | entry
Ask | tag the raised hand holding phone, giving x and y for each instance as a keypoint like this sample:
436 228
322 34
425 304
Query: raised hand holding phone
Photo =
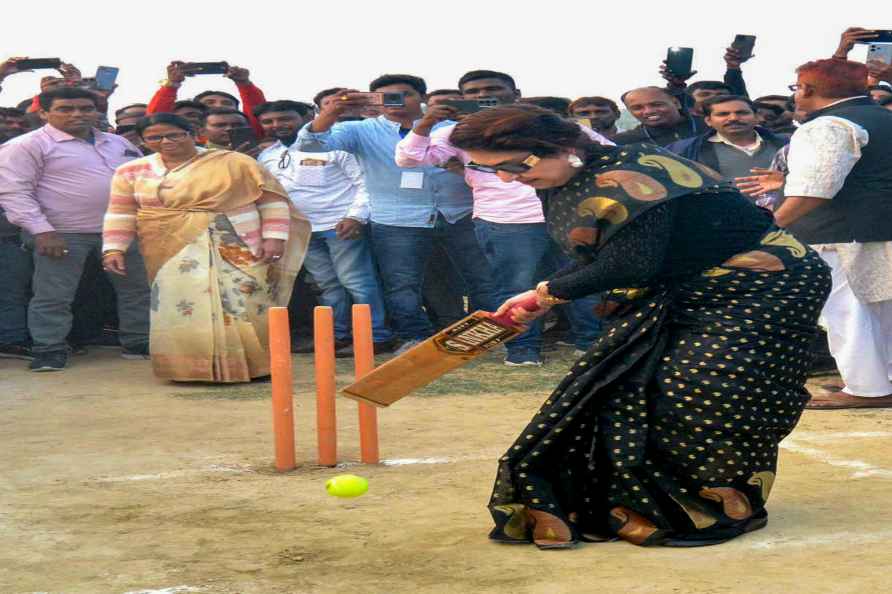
850 37
11 66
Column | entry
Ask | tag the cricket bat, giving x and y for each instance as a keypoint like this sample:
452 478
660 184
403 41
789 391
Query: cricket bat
464 341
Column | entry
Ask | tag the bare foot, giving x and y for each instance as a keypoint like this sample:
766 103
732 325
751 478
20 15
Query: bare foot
840 400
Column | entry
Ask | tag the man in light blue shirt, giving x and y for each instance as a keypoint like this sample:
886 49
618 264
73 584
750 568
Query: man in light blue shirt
409 208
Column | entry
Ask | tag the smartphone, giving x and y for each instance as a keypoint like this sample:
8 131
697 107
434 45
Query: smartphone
883 36
881 52
105 78
240 136
385 99
193 68
464 106
679 60
744 44
39 64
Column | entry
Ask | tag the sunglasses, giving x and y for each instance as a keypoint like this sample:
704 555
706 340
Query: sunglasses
508 167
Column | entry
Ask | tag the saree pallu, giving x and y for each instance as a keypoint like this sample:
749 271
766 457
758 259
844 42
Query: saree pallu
667 430
210 294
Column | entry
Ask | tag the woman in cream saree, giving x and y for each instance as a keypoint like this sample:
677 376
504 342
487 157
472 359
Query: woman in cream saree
222 244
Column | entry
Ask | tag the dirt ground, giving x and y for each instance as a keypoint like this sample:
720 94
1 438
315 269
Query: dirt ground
113 482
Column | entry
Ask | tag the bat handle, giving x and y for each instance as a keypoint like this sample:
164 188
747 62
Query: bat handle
529 304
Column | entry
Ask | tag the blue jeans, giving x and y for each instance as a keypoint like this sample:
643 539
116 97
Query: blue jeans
401 254
514 252
15 270
344 271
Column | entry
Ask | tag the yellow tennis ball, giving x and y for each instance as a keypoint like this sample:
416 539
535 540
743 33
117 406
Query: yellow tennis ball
346 485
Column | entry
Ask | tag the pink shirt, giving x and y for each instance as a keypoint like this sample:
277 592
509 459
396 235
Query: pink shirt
494 200
52 181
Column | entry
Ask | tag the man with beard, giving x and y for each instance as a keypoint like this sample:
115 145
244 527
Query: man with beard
329 189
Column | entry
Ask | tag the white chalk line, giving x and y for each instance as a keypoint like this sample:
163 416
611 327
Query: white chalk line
173 590
243 469
226 468
816 437
863 469
846 539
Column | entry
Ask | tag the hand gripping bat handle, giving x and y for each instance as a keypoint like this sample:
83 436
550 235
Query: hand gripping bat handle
529 304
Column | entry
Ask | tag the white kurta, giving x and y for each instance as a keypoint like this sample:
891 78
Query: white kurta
858 313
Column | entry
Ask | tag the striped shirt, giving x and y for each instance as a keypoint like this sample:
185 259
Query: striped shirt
136 186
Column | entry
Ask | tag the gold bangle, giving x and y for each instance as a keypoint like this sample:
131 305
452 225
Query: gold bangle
545 297
110 252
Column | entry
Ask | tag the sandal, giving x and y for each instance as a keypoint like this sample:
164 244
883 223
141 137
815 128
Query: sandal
550 532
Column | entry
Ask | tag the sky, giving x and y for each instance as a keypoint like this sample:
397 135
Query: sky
293 49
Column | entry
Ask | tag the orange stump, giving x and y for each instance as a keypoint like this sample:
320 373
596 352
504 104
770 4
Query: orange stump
283 403
364 362
326 424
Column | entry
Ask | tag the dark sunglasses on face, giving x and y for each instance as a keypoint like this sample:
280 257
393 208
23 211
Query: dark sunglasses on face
509 167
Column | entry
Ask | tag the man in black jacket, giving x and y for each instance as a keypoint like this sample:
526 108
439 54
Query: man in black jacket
734 145
663 120
839 199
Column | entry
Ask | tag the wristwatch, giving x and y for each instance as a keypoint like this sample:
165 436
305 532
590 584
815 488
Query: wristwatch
169 83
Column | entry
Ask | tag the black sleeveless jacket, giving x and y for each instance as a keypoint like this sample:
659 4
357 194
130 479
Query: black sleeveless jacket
862 210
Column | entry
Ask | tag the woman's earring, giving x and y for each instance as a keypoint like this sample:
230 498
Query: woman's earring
575 161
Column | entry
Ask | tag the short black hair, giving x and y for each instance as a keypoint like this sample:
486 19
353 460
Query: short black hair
12 112
126 107
192 104
777 109
317 99
163 118
47 97
708 85
201 96
444 92
479 74
787 99
25 104
599 101
712 101
224 111
385 80
282 105
559 105
885 101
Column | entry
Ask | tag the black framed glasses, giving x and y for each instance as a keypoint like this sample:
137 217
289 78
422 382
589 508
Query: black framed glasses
285 160
509 167
171 136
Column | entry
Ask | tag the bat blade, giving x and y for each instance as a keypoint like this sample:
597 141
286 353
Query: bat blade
464 341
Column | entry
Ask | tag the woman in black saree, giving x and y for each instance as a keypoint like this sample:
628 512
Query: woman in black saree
666 431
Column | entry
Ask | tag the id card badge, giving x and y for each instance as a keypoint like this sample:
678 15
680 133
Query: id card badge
412 180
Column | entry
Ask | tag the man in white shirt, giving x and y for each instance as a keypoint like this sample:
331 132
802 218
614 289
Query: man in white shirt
329 188
839 200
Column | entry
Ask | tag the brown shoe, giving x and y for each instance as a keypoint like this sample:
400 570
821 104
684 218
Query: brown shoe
841 400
